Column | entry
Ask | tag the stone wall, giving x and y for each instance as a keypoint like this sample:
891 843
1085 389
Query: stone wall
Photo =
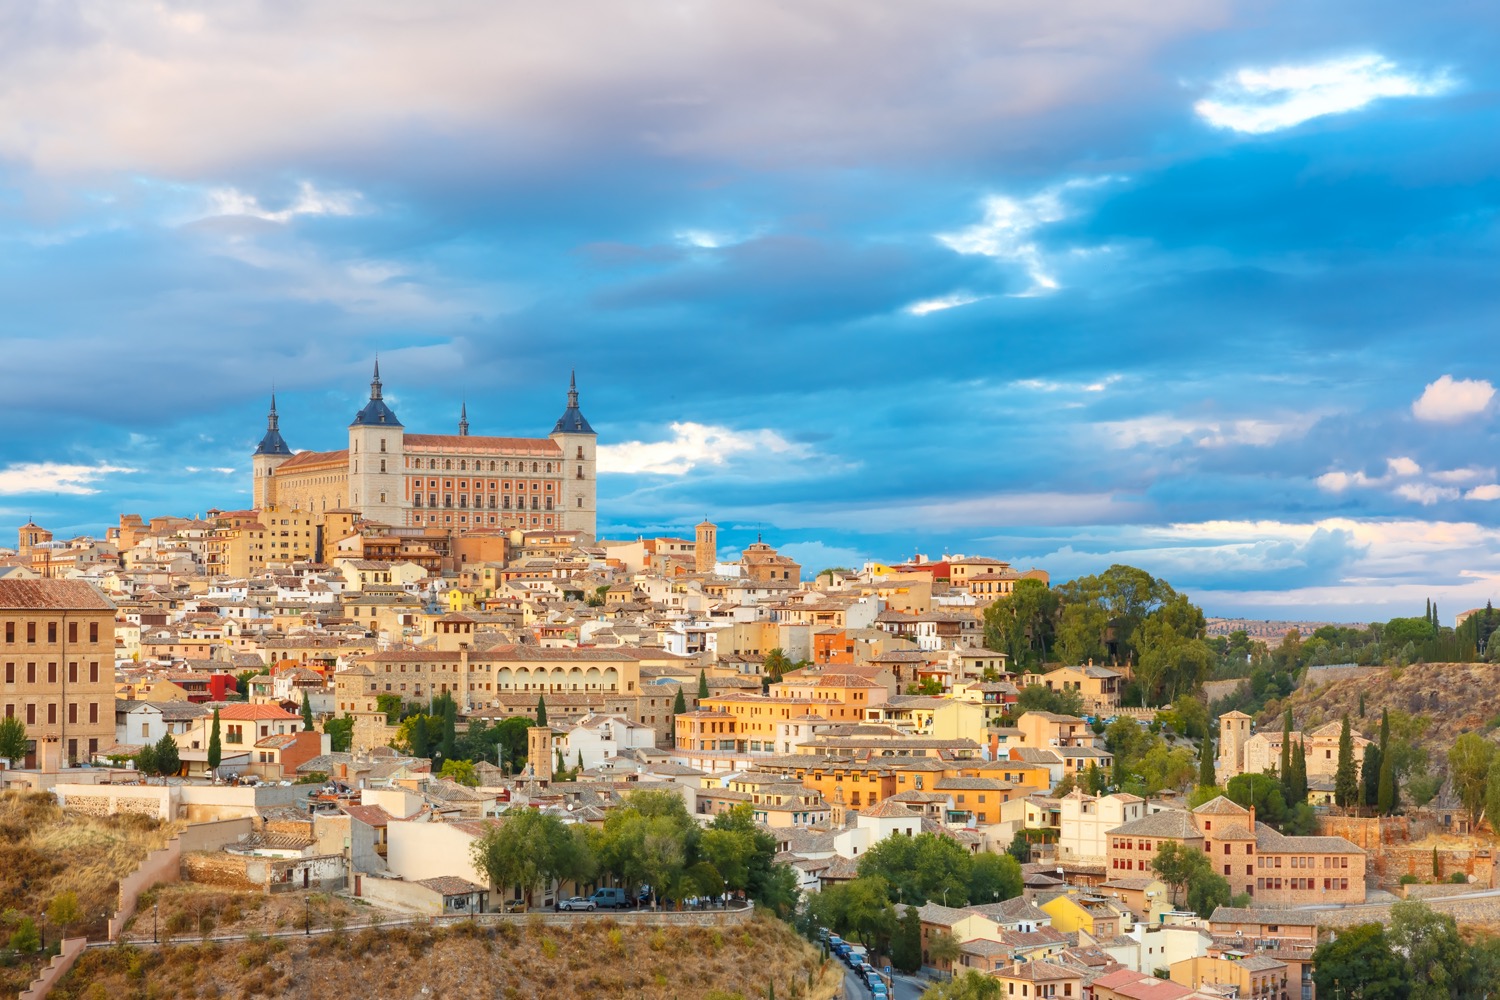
1371 833
215 868
1393 862
165 865
157 801
56 969
1315 676
1466 910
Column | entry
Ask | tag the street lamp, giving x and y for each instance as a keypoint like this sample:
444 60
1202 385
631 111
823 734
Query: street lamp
307 916
155 910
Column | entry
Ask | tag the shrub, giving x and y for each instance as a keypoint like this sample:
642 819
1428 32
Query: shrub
1458 878
1409 880
549 947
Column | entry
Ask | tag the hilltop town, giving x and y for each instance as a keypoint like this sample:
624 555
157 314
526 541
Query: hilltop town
307 717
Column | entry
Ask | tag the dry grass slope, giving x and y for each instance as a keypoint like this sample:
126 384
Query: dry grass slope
596 958
1457 697
45 852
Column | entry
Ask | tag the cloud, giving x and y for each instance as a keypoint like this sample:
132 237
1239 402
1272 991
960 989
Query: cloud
1051 385
941 303
1426 494
1008 229
1449 400
1400 467
1159 431
692 445
309 201
54 477
1258 101
1464 475
1489 491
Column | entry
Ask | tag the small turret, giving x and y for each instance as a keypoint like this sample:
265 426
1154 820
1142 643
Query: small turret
376 413
463 419
572 421
272 443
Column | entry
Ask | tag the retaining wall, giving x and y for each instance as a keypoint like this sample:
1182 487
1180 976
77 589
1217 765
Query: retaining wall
56 969
165 865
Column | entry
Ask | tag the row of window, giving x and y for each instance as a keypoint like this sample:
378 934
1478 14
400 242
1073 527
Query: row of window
30 672
1301 883
479 466
29 711
32 632
536 519
463 501
1329 861
463 484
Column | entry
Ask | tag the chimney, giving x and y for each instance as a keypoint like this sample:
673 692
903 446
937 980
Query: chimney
1252 819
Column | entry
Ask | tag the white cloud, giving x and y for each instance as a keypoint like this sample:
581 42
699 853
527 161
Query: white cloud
1464 475
309 201
1426 494
1400 467
1489 491
1403 466
953 301
55 477
1449 400
1267 100
1008 230
1160 431
692 445
1049 385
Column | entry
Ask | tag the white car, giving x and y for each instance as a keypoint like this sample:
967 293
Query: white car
575 903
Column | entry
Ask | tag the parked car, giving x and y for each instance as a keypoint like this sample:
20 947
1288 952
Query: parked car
576 903
877 987
610 899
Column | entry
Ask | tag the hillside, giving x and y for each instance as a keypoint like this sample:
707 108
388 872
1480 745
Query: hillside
45 852
1455 697
594 957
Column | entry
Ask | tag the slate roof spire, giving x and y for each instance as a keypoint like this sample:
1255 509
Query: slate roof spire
572 421
272 443
376 413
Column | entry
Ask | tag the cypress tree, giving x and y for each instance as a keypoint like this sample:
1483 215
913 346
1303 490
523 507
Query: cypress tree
307 722
702 684
1369 776
1361 704
1428 613
1299 772
679 705
1385 795
541 710
1434 616
215 748
1206 776
1345 780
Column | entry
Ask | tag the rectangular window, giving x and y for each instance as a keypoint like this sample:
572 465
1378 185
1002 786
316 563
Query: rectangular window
72 631
31 715
51 673
31 631
52 713
93 711
72 671
72 713
94 672
10 673
10 631
52 633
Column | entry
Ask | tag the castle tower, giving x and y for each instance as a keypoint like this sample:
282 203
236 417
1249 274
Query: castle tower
29 537
463 420
376 459
1234 730
269 454
706 550
579 444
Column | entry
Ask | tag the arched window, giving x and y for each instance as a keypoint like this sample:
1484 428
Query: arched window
492 465
463 466
533 467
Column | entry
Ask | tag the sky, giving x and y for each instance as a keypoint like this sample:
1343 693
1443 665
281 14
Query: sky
1201 286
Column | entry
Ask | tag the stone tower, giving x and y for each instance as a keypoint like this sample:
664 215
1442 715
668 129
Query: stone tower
706 549
539 751
269 455
579 444
376 459
1234 730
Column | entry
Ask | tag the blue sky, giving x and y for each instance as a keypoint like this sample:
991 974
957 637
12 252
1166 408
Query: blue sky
1207 287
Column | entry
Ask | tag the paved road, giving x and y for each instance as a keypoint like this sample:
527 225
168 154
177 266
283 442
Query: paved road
902 987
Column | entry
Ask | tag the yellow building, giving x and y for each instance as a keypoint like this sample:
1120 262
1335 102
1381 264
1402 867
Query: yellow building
1048 980
57 647
1074 911
1254 975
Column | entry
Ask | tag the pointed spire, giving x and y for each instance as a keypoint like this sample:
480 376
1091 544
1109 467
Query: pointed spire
573 388
463 419
273 422
572 421
375 382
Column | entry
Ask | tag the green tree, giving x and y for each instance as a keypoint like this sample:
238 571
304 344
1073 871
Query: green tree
971 985
1491 798
1207 775
145 760
391 705
1360 961
1286 751
64 910
1369 776
906 945
1263 792
649 840
1207 893
1437 961
1345 780
25 938
168 761
1299 786
529 848
943 950
1164 767
775 664
1178 864
679 704
340 733
1095 782
994 877
215 748
1040 698
461 771
921 868
13 741
1020 846
1023 623
307 716
541 710
702 685
1468 771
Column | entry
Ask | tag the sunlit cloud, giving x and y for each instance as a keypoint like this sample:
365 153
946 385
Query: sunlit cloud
55 477
1160 431
1489 491
953 301
1449 400
1267 100
692 445
309 201
1007 231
